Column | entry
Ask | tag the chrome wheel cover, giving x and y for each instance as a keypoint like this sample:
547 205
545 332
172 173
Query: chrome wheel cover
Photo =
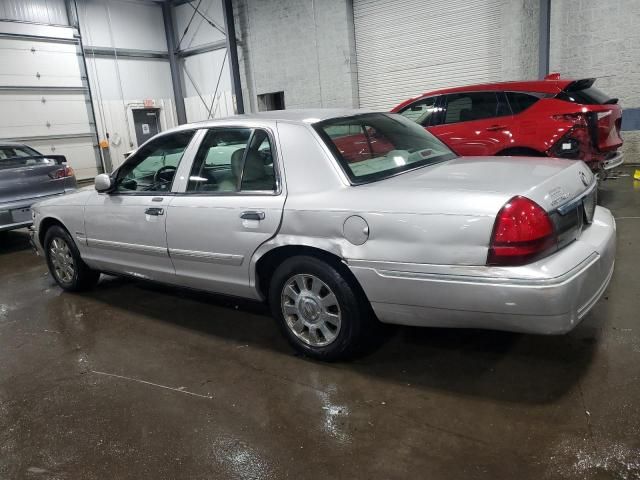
311 310
61 260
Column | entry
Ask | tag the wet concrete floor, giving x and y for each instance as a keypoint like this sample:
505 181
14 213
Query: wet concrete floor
138 381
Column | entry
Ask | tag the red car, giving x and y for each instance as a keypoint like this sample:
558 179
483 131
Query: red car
553 117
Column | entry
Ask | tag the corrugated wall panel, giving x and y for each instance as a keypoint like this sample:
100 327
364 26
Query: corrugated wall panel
41 11
407 47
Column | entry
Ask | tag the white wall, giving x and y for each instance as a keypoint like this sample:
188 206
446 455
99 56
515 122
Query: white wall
119 85
204 69
301 47
601 38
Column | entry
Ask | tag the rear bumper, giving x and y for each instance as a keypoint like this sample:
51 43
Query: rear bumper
614 161
550 296
7 217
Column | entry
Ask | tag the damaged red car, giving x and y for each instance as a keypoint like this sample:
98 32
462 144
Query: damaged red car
553 117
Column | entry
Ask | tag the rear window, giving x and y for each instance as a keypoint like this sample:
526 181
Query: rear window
374 146
586 96
519 101
8 151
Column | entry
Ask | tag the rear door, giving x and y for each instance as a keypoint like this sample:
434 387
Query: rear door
24 177
474 123
230 204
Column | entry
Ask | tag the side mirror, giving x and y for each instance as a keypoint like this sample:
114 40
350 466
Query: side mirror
103 182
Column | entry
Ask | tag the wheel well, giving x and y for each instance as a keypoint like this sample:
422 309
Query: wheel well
45 225
521 152
267 264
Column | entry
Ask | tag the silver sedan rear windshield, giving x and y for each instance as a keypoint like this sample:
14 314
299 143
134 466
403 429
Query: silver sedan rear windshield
373 146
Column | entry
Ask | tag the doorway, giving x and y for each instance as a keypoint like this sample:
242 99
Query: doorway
146 123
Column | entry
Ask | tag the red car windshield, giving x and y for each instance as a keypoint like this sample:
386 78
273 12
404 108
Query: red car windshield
374 146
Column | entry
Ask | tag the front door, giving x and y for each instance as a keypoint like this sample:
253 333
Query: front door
474 123
126 228
146 123
231 203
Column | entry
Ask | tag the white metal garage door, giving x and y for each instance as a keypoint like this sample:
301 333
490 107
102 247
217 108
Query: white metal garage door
43 96
407 47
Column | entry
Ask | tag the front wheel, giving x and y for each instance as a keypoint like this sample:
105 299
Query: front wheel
64 261
321 312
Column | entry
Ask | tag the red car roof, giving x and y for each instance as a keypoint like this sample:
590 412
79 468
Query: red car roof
541 86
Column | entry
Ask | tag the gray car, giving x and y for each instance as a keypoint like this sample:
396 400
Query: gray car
341 219
27 177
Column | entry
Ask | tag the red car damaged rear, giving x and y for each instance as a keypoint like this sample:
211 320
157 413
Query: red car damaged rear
553 117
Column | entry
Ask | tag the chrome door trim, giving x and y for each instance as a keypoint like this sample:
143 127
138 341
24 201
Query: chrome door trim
131 247
208 257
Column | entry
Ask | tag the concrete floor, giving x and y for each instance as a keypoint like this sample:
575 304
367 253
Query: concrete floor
139 381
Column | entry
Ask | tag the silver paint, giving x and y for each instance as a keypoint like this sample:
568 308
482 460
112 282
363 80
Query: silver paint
423 261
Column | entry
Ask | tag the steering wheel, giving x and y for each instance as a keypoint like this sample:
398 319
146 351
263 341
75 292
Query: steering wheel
164 175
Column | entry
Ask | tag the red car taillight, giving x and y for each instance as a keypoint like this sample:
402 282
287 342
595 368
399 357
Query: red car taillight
576 143
522 232
63 172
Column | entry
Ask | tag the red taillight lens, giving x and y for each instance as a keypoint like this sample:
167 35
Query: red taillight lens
522 232
63 172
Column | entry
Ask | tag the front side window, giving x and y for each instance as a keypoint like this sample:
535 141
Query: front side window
422 112
152 168
465 107
378 145
233 159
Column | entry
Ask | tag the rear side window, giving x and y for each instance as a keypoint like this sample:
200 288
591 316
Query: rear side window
421 112
520 101
465 107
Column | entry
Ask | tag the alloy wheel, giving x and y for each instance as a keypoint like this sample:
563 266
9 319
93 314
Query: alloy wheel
61 260
311 310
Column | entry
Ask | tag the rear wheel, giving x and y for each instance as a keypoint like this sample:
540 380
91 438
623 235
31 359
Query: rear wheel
320 312
64 261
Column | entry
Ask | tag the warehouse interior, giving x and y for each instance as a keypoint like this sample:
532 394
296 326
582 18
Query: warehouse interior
137 380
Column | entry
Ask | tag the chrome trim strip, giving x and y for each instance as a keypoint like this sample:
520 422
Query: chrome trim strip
472 279
130 247
208 257
567 207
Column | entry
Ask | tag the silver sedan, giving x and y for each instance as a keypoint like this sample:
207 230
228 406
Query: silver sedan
341 219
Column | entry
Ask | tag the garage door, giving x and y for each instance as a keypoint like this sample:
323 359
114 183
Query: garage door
407 47
43 96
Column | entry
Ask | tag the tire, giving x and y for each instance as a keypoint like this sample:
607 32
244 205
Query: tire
308 319
65 264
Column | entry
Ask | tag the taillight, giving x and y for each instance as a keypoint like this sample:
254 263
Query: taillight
576 143
522 232
63 172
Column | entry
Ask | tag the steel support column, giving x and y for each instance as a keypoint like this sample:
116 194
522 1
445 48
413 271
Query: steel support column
232 49
176 78
544 36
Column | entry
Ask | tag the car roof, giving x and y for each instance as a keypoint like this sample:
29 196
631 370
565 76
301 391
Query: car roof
307 116
541 86
11 144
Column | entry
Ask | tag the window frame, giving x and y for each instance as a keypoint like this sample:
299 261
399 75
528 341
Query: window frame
445 106
134 156
262 193
436 116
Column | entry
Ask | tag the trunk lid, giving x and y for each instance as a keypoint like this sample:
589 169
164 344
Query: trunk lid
23 178
482 185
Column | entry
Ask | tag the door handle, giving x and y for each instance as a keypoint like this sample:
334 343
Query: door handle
495 128
252 215
154 211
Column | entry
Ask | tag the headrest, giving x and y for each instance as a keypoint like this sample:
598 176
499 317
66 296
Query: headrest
253 168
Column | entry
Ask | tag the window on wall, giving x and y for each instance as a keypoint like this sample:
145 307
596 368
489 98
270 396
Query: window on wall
271 101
